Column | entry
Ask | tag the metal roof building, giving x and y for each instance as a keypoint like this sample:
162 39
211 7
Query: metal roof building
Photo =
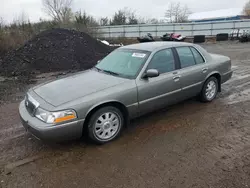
217 15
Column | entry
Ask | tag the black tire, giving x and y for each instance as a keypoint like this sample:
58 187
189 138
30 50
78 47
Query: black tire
203 96
222 37
93 119
199 38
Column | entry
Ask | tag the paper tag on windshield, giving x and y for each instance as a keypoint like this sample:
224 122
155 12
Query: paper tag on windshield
140 55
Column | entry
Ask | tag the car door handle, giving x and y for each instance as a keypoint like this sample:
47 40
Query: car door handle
176 78
204 70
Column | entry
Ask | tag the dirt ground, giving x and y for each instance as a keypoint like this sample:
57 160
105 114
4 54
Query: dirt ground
190 144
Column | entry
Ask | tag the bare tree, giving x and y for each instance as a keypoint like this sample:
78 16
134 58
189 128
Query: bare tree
246 9
170 12
130 16
148 21
85 19
58 10
177 13
104 21
119 18
154 21
124 16
184 13
1 23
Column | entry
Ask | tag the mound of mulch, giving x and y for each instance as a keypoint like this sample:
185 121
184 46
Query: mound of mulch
54 50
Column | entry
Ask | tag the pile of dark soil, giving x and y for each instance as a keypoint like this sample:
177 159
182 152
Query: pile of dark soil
54 50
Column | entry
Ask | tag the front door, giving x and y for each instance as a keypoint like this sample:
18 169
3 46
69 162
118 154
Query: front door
155 93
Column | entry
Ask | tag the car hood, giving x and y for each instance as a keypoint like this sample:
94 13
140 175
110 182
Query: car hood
76 86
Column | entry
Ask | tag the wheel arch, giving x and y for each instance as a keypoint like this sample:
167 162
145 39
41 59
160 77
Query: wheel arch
217 76
116 104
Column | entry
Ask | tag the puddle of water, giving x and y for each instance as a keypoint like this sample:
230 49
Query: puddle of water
238 97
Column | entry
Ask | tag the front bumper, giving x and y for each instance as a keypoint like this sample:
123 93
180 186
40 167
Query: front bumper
43 131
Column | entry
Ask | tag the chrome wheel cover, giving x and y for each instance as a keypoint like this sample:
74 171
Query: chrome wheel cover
211 90
107 126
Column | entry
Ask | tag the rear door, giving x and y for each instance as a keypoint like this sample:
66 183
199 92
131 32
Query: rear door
155 93
193 70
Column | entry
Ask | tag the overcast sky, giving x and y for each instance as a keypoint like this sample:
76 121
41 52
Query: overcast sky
11 9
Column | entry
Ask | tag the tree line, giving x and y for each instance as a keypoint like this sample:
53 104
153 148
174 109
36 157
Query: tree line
61 11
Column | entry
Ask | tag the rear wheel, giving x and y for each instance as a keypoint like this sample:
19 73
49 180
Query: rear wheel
105 125
210 90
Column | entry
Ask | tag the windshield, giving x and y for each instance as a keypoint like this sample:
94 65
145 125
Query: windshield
124 63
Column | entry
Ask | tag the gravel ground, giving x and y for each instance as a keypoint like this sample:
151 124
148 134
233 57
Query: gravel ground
190 144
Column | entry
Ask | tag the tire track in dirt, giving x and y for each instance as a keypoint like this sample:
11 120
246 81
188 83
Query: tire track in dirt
238 88
12 132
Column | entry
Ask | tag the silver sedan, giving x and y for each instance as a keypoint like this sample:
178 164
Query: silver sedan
129 82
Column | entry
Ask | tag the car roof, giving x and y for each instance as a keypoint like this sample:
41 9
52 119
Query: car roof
152 46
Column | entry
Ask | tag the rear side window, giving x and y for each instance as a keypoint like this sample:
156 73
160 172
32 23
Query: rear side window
186 57
163 61
198 58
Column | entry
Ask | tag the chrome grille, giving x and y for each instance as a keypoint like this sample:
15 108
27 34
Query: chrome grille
30 107
30 104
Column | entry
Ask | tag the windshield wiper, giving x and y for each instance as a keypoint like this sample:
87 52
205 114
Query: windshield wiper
111 72
99 70
107 71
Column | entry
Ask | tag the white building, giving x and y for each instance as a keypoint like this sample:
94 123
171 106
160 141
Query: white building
217 15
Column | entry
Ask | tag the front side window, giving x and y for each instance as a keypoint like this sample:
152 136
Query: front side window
186 57
124 63
163 61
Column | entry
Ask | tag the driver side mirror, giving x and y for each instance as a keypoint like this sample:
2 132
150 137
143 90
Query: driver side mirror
151 73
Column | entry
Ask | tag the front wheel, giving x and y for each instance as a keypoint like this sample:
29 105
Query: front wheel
210 90
105 125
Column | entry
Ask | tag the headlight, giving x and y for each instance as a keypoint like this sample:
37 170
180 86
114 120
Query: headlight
55 117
